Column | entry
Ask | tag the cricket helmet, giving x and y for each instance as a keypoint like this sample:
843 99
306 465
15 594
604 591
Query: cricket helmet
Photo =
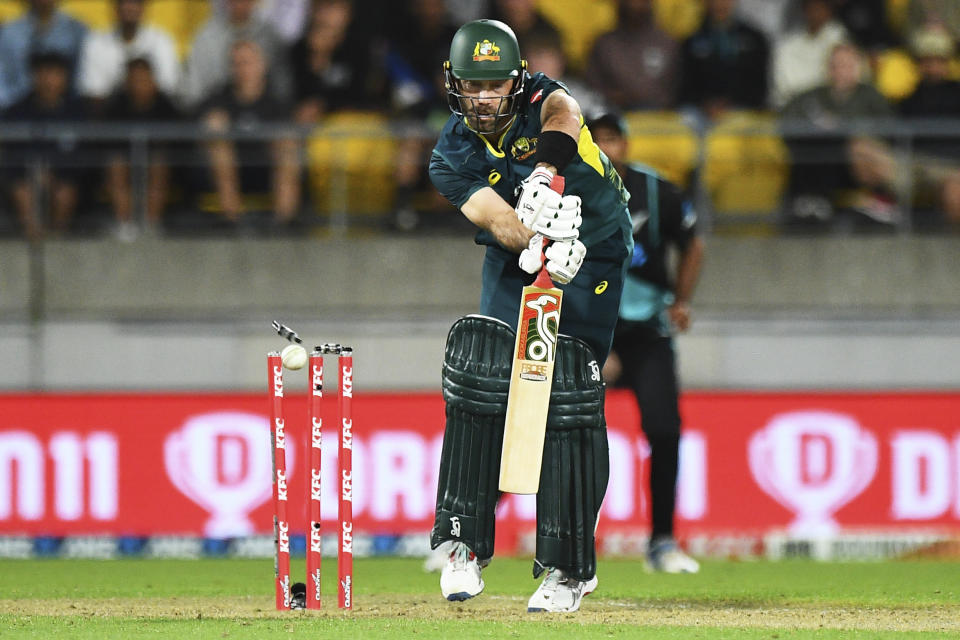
484 50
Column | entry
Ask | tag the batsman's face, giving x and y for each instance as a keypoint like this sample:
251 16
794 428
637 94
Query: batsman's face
484 100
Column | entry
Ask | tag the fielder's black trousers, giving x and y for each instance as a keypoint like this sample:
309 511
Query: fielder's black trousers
649 370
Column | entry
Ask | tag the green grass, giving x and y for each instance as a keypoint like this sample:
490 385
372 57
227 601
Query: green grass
232 598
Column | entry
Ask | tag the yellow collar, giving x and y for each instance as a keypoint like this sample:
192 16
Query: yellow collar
498 150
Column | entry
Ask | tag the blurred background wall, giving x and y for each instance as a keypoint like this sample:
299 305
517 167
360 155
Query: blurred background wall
811 313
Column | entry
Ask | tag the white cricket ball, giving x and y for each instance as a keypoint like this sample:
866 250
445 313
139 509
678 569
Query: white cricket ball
294 357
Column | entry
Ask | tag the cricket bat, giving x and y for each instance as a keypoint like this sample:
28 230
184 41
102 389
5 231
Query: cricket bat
531 378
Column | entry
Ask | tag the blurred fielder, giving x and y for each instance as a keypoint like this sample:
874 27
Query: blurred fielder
656 302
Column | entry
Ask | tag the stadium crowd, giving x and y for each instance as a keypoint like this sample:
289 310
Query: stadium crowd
137 116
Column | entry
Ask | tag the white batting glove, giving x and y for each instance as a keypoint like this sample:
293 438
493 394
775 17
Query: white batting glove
564 259
531 258
560 223
535 194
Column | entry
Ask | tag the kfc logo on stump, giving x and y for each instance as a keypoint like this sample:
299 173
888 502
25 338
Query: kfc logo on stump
813 462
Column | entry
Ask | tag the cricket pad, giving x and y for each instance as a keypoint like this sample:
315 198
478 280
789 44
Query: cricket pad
476 379
573 478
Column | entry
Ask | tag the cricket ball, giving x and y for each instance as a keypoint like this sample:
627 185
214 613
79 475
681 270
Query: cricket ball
294 357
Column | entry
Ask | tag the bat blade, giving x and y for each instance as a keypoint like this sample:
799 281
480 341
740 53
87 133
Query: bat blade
528 400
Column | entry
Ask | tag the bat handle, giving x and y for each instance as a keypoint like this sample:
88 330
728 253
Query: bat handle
557 184
543 278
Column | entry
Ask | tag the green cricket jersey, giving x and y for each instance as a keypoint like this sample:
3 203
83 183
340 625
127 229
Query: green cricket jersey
464 162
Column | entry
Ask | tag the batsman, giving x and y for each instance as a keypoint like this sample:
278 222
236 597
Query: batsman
509 135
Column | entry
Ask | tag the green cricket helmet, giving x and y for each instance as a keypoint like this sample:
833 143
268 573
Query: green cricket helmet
484 50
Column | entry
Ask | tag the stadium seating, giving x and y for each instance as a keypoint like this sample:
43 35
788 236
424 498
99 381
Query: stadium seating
180 18
97 14
10 9
360 147
579 24
662 140
679 18
896 74
746 165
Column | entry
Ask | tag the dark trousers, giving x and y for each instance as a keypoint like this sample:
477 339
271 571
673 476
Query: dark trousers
590 301
649 370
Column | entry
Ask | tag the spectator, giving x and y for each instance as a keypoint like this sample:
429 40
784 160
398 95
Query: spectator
936 95
418 95
635 66
772 17
103 61
930 175
331 66
461 11
210 56
414 69
43 28
41 166
545 54
288 17
725 63
867 23
800 58
832 111
523 18
139 103
934 13
247 107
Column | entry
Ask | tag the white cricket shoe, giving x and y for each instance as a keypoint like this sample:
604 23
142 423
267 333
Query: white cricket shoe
665 556
436 560
460 578
558 593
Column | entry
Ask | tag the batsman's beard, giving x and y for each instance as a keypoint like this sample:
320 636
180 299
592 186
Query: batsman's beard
484 118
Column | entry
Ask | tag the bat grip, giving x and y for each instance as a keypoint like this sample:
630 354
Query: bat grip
543 279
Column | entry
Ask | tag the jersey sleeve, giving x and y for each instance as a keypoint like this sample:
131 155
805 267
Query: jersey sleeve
455 186
678 215
539 86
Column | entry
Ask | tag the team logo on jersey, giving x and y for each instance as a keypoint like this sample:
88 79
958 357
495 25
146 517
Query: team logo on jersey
494 177
486 50
523 148
536 96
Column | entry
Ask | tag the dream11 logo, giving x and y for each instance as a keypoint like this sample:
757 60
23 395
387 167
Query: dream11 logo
813 462
222 462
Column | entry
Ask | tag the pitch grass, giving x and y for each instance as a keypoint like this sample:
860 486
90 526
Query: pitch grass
394 598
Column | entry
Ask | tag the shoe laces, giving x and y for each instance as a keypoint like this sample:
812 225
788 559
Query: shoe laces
461 556
554 579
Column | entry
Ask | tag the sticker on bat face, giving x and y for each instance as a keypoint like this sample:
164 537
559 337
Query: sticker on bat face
539 327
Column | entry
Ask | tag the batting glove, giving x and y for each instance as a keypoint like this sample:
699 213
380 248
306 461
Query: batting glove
564 259
535 194
531 258
545 211
560 223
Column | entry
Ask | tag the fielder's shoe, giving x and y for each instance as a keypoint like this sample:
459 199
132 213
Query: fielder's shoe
664 555
558 593
460 578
